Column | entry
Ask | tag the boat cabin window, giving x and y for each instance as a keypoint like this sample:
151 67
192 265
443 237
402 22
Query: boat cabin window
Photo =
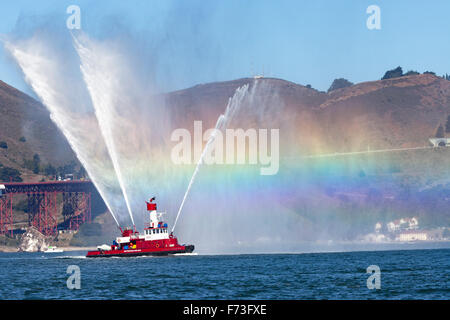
155 231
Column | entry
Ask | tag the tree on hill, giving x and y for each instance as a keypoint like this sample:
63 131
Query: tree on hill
429 72
411 73
339 84
394 73
447 125
440 132
33 165
81 173
66 169
3 145
36 162
49 170
7 174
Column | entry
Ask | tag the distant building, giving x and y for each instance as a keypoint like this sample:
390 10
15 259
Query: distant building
413 223
393 226
378 227
440 142
411 235
403 224
396 225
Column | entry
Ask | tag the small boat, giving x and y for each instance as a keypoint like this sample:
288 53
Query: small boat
53 249
155 241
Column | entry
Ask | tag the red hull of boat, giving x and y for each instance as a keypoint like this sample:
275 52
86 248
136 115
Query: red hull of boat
139 252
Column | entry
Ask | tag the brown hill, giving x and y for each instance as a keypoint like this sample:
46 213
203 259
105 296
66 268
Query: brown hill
400 112
392 113
26 127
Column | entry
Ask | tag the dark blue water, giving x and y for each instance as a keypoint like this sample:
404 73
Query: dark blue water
407 274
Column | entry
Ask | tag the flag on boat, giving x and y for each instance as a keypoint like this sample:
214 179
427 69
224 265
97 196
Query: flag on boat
151 206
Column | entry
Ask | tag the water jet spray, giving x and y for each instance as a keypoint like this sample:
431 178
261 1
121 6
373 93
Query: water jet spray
233 104
93 74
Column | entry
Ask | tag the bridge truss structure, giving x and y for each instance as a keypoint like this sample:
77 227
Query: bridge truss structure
44 201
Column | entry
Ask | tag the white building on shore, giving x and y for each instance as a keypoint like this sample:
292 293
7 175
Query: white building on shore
403 224
412 235
440 142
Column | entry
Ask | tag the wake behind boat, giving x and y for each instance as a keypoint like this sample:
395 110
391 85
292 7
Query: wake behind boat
155 240
53 249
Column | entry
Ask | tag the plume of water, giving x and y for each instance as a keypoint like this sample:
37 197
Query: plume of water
233 105
100 92
232 208
131 116
53 74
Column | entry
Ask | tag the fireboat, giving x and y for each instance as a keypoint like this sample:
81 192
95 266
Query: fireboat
156 240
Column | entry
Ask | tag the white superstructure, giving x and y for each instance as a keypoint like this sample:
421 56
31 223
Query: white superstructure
157 229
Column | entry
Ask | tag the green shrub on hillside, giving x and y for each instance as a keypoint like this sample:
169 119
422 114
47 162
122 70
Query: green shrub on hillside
66 169
49 170
36 162
22 139
3 145
411 73
394 73
339 84
7 174
33 165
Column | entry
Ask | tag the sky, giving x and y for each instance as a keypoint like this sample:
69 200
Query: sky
306 42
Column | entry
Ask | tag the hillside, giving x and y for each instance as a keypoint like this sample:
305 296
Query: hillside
392 113
27 129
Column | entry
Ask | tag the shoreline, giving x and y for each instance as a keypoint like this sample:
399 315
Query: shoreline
302 249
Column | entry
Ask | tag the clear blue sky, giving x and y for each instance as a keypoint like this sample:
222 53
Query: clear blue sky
307 42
